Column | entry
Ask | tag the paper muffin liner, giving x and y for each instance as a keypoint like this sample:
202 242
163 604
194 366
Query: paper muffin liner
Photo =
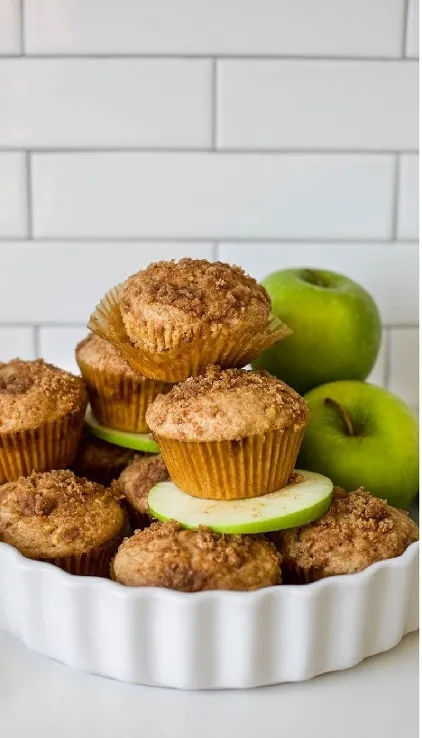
48 446
138 520
178 361
294 575
102 469
96 562
120 402
227 470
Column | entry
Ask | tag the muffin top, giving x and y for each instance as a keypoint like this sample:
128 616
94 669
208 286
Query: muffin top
358 530
139 478
100 461
226 404
56 514
101 355
34 392
166 555
189 294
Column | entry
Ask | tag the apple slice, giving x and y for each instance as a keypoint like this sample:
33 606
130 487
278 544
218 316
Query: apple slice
298 503
135 441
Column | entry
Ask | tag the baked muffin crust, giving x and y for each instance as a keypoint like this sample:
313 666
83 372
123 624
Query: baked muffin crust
358 530
103 356
187 295
34 392
226 404
166 555
139 478
56 514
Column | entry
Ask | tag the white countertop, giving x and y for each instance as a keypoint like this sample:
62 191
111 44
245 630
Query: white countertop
42 698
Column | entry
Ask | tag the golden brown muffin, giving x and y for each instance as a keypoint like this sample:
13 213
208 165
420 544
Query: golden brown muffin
62 519
119 395
166 555
100 461
357 531
42 412
229 433
136 481
172 319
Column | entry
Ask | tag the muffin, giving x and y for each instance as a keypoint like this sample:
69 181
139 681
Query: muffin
119 395
172 319
229 433
100 461
357 531
166 555
42 412
63 520
136 481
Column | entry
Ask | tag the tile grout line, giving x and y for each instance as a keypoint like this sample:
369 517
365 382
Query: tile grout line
214 251
396 195
404 29
29 194
215 56
37 341
207 240
22 27
227 150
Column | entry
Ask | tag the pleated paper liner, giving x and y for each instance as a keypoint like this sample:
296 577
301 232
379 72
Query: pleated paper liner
94 563
48 446
227 470
138 520
188 359
121 402
294 575
104 463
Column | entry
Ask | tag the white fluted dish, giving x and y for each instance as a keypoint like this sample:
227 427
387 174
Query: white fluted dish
208 640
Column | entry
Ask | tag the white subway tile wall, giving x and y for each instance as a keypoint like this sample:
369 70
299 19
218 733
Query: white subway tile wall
324 105
270 134
13 194
10 27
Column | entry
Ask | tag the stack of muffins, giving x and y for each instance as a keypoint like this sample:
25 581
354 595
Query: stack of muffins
224 433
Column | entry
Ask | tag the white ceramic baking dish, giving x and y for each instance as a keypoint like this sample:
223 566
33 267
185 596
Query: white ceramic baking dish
208 640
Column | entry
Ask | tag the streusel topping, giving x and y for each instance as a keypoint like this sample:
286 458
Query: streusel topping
212 291
54 514
357 531
102 355
170 302
139 478
226 404
166 555
34 392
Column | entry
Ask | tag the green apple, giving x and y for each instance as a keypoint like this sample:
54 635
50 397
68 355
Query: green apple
336 328
296 504
361 435
135 441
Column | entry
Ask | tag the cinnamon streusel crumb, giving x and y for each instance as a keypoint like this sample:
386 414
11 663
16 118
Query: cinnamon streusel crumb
171 303
226 404
212 291
102 355
139 478
166 555
357 531
54 514
34 392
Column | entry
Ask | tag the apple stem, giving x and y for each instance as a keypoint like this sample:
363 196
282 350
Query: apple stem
316 279
345 416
